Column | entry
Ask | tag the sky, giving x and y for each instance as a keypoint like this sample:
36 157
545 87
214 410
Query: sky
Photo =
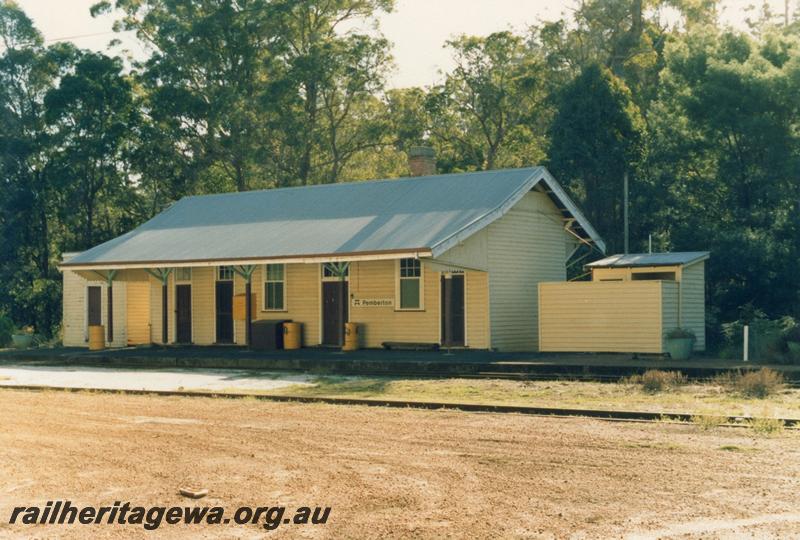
418 29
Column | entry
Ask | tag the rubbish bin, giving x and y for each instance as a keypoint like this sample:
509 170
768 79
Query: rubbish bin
350 337
97 340
267 334
292 335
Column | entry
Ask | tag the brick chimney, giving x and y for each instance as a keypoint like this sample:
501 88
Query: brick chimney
421 161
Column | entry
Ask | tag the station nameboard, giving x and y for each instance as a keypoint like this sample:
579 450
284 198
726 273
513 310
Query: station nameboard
373 302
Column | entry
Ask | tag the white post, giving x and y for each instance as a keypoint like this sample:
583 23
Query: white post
746 347
650 243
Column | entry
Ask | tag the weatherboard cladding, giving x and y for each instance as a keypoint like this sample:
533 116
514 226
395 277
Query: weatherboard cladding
381 216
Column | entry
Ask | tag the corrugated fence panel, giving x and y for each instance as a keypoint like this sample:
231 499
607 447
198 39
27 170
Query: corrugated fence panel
601 316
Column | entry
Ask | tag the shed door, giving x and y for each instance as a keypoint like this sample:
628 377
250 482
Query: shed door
224 311
334 312
183 313
453 310
94 307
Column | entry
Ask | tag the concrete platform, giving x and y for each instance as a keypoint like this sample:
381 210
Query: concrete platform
174 379
465 363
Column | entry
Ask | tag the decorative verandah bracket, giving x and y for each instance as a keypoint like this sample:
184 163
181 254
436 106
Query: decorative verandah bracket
162 274
109 279
338 269
246 272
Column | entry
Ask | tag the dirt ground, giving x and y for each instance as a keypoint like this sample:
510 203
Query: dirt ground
392 472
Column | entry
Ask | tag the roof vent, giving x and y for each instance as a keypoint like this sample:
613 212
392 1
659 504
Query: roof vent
421 161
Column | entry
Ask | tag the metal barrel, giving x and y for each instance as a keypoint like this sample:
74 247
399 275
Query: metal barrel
292 335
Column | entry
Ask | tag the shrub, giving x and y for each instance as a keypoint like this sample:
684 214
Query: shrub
655 380
792 338
6 329
759 384
767 336
792 334
766 426
708 422
681 333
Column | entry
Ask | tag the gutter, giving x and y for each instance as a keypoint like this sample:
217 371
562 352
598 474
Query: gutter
415 253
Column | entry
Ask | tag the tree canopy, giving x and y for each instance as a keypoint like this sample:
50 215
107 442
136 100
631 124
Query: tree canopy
251 94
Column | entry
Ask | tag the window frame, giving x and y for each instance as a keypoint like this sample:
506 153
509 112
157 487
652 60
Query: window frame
219 273
399 278
264 283
654 276
177 271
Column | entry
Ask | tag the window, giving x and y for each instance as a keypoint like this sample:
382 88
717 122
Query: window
642 276
410 287
225 273
183 274
274 287
335 270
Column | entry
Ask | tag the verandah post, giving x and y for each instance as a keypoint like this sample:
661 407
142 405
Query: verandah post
246 272
110 309
110 279
163 275
164 309
247 312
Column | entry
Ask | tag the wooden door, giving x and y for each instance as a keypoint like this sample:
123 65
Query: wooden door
224 296
334 312
183 313
453 319
94 307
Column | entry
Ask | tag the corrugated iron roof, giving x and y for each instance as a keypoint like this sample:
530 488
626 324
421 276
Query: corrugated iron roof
677 258
380 216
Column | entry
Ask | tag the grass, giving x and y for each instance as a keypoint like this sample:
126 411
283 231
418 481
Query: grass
753 384
707 422
654 381
766 426
709 398
735 448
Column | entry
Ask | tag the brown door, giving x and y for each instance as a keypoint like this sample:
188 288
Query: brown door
94 306
453 310
183 313
334 312
224 311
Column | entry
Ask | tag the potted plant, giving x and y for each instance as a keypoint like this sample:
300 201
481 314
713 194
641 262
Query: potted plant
22 338
679 342
792 337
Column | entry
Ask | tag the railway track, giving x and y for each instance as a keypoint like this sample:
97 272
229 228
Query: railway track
607 415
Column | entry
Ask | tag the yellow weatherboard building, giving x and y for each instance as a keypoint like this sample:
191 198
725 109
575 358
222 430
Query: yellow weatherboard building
451 260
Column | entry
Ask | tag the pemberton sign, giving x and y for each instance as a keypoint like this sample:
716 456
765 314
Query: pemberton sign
373 302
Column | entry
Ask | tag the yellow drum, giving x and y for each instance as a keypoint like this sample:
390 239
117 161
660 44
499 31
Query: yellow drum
97 339
350 337
292 335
